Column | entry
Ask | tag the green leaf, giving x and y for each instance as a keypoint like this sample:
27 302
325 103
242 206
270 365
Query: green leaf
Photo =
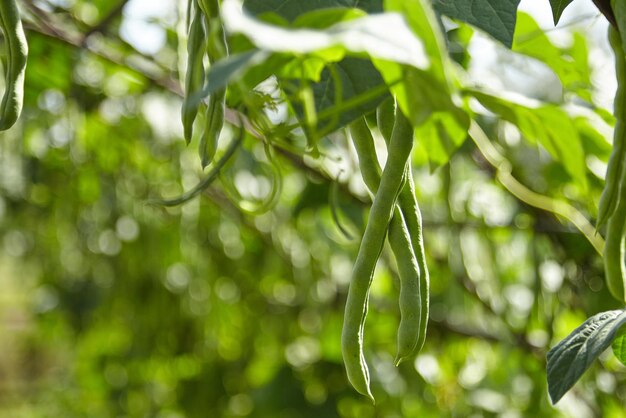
619 10
231 68
619 348
557 8
546 124
496 17
384 36
570 65
570 358
291 9
358 77
426 97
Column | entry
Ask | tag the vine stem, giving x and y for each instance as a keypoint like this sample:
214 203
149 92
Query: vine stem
523 193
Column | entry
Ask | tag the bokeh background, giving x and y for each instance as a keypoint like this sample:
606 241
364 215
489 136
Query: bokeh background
112 306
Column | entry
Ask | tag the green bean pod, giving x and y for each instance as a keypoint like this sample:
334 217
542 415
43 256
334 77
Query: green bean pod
400 243
216 48
366 153
610 194
214 122
410 301
614 248
15 71
369 251
413 218
194 79
385 118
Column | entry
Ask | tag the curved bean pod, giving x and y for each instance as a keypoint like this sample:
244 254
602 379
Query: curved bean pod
371 245
610 194
413 218
15 71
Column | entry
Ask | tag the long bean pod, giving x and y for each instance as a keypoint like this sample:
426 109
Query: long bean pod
614 248
413 218
194 78
369 251
399 241
15 71
216 48
613 201
610 194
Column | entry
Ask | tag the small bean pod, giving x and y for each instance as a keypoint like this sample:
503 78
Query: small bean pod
214 122
194 79
385 118
15 71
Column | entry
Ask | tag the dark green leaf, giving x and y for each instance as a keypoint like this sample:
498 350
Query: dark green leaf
496 17
358 77
570 358
557 8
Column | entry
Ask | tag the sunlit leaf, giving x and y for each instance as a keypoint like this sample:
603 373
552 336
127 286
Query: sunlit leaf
426 97
570 65
546 124
385 36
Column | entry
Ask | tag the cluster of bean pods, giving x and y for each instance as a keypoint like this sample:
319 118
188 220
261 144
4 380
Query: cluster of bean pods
15 64
394 213
612 208
205 38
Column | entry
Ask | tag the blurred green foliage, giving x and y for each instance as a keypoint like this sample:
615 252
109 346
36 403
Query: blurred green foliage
112 306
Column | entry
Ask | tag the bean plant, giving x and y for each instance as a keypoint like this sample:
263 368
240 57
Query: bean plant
381 74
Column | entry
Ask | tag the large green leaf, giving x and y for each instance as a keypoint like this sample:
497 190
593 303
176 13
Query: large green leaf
546 124
358 77
557 8
570 358
496 17
426 96
385 36
291 9
569 64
